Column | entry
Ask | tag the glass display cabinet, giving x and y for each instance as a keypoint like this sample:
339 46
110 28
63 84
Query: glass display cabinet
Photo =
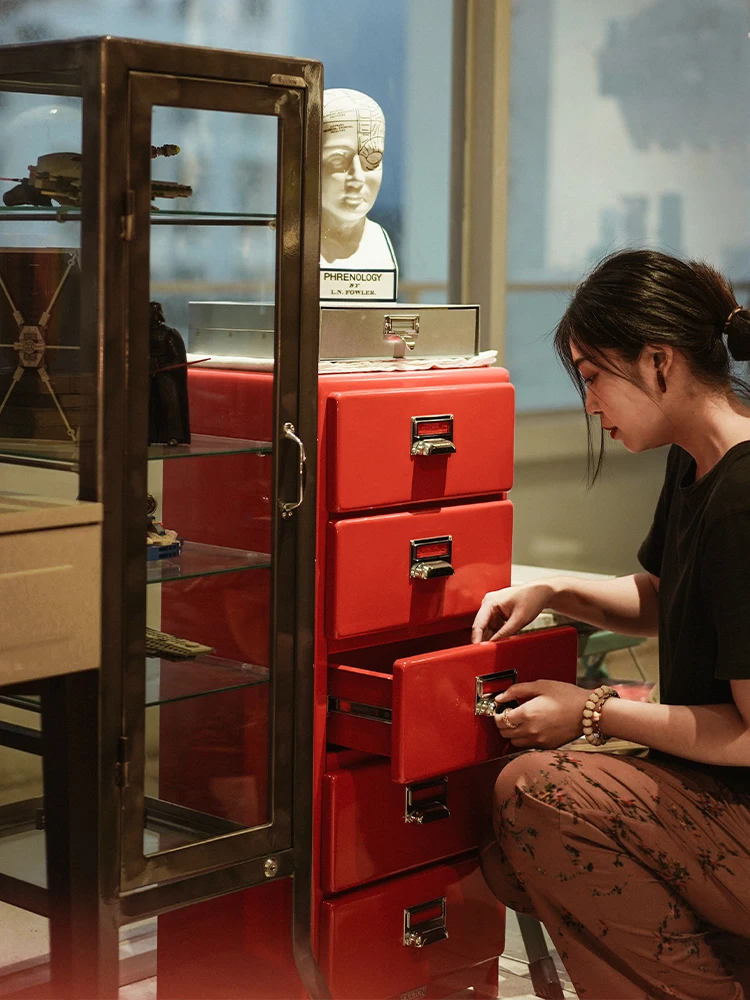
145 185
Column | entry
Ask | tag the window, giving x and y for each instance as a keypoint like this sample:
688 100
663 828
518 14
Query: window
397 51
629 124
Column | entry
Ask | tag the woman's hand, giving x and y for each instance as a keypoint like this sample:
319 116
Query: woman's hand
552 715
505 612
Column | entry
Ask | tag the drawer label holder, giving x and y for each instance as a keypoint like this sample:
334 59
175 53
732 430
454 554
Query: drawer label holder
431 557
424 924
432 435
427 801
485 700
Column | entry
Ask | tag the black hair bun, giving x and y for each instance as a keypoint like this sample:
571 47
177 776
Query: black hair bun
738 335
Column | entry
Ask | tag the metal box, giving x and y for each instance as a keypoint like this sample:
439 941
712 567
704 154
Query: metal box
374 331
231 329
348 330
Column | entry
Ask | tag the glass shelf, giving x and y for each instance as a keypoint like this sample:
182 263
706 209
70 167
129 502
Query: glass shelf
198 559
169 681
159 216
64 454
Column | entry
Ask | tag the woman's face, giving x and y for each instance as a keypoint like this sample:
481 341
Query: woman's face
630 413
350 185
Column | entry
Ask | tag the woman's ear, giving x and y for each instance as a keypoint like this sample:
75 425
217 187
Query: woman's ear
662 357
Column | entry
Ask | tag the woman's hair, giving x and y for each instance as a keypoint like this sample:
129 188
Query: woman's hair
639 297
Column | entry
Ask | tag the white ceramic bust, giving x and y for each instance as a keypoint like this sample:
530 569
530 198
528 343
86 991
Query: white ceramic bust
353 145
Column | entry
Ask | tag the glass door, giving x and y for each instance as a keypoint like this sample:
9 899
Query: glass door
215 471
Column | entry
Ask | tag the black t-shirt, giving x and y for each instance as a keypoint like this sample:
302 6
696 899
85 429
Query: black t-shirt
699 547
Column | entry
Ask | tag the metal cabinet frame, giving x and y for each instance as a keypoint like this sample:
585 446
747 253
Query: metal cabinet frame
93 723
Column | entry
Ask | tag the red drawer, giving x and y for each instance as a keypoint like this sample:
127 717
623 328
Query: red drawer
372 827
421 710
362 934
398 446
375 576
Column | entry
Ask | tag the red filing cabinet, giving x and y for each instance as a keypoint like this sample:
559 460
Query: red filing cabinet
414 526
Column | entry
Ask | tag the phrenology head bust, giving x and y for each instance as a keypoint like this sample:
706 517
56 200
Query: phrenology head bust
353 145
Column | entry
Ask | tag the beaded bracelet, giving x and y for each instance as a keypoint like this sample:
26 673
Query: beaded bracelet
592 714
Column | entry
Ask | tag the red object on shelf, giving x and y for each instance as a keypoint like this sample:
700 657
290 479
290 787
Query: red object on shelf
362 949
433 726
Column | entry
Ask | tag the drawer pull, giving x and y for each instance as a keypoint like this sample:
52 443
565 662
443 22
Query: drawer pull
418 933
427 808
431 557
433 446
401 331
432 435
485 700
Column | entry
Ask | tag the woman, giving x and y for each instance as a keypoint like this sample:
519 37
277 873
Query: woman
637 866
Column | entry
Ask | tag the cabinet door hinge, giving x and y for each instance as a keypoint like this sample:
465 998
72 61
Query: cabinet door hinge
122 767
127 219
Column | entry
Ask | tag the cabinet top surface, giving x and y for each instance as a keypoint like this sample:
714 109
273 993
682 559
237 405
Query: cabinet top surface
22 512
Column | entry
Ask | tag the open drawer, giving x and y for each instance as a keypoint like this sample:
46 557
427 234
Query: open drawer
428 704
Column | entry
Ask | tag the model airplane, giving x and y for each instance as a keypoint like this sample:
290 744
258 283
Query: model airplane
57 176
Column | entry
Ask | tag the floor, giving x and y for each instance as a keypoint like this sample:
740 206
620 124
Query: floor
25 942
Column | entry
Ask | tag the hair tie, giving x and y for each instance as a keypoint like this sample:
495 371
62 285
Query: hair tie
731 316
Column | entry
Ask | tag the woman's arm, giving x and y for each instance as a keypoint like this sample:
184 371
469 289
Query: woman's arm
711 734
551 714
627 604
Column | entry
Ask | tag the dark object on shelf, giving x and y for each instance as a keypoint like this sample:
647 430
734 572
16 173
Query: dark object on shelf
161 542
41 388
172 647
168 411
58 176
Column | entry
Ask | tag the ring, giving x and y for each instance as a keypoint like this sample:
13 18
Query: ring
506 720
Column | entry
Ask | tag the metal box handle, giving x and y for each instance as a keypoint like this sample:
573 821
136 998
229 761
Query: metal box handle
485 700
427 808
430 929
402 331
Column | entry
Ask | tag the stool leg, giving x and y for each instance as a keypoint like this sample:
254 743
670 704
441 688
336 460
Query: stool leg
542 969
594 668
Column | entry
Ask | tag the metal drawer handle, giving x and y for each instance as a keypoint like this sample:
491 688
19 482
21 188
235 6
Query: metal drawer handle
485 700
433 446
427 808
402 331
432 435
430 930
431 557
429 570
287 509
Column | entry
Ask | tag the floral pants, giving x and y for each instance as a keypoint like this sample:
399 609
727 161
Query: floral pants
637 868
